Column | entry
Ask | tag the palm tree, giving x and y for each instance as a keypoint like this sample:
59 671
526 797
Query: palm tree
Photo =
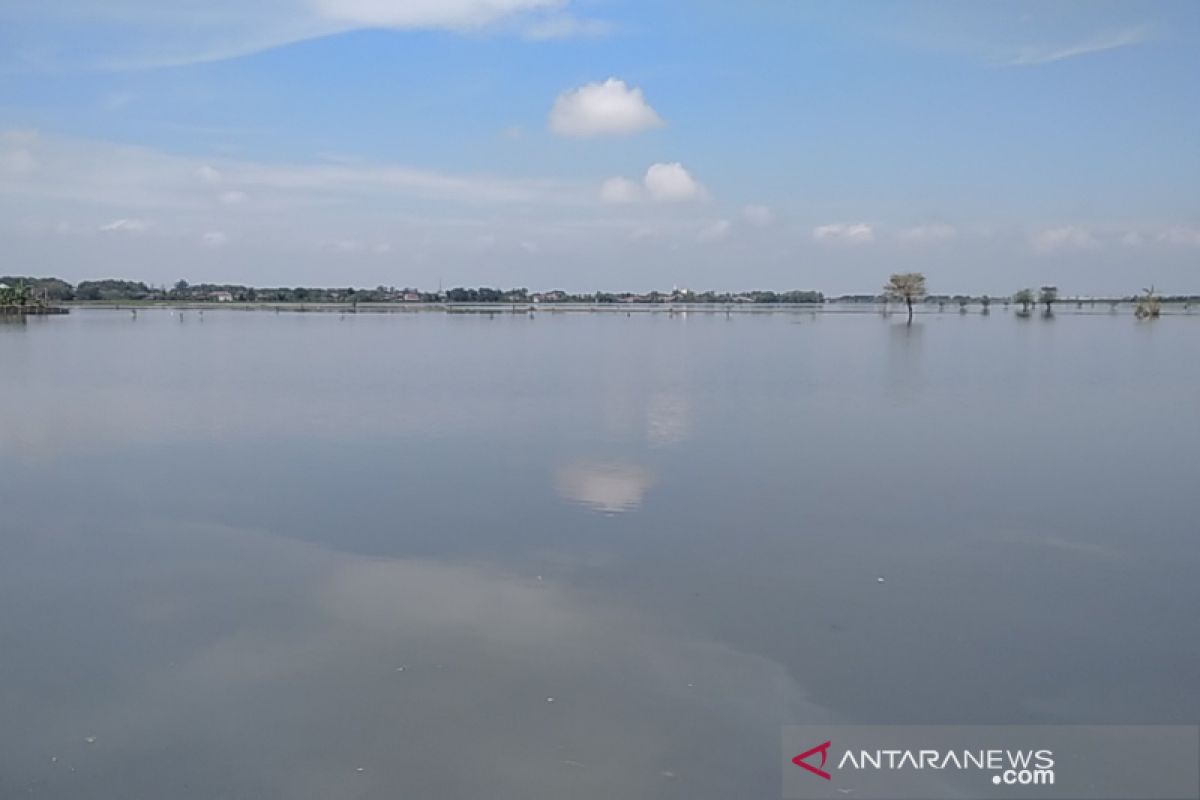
906 286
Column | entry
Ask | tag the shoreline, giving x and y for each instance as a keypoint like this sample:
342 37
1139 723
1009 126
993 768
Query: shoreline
1109 308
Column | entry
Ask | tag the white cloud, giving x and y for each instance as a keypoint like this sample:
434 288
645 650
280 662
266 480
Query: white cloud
671 183
214 239
1044 54
758 216
448 14
844 232
715 231
663 183
599 109
620 190
135 34
933 232
1068 237
125 225
137 180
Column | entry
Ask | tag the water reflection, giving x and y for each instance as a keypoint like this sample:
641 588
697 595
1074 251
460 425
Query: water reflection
668 418
609 487
235 663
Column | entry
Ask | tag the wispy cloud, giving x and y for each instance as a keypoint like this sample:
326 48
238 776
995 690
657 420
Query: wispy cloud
1068 237
1112 40
140 34
130 177
844 232
125 225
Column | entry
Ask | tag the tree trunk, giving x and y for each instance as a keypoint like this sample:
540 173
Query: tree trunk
908 302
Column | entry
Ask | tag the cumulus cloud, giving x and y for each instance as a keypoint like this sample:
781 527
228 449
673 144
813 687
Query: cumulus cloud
934 232
759 216
662 183
715 231
125 225
214 239
1068 237
844 232
671 183
603 109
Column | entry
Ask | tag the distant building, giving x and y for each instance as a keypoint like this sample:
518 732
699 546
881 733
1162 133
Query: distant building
222 297
411 297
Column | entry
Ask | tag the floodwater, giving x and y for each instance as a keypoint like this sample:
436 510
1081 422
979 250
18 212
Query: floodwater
323 556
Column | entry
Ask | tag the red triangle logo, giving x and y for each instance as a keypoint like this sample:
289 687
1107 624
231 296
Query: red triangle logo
800 761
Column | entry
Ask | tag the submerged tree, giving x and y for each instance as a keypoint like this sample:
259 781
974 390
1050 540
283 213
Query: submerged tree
986 302
1025 298
1048 297
906 286
1149 306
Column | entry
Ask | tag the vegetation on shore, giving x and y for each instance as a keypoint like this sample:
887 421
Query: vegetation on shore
22 298
909 288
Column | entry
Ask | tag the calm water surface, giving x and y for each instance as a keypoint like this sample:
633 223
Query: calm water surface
314 557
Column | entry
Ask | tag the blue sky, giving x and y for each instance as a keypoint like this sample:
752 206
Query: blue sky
603 145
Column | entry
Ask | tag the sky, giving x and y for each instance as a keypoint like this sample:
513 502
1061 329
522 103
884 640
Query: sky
603 144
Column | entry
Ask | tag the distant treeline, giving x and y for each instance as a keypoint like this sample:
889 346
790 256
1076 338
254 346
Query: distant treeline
116 291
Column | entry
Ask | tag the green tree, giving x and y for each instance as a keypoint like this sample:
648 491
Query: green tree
906 286
1025 298
1048 297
